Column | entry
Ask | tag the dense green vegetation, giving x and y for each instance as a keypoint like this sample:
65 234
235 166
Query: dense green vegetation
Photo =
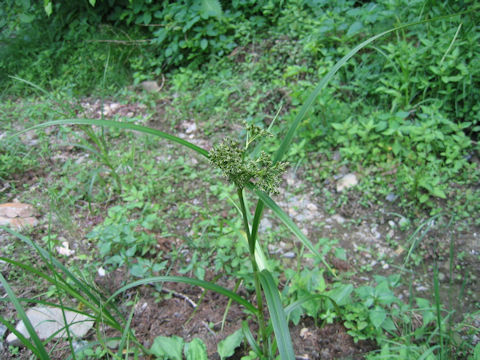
403 114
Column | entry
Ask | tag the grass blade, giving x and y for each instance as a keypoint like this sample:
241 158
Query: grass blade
38 348
119 125
277 315
250 338
203 284
289 224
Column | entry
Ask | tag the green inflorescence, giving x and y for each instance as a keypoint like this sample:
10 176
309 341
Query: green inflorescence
232 158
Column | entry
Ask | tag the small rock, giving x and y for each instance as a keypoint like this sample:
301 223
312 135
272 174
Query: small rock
48 321
17 215
12 210
191 128
392 224
339 219
391 197
150 86
65 249
375 232
385 266
305 333
337 156
403 223
101 272
265 225
289 255
3 330
399 251
78 344
441 276
346 182
421 288
272 249
312 207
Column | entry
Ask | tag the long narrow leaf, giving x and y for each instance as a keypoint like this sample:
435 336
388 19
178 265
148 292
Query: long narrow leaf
180 279
250 338
80 287
120 125
277 315
287 221
39 348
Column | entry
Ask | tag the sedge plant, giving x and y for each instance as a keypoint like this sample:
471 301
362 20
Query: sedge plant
259 175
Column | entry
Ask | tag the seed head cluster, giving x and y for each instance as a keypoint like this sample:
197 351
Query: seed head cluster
238 167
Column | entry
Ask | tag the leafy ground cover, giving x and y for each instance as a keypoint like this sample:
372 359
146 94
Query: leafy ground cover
402 245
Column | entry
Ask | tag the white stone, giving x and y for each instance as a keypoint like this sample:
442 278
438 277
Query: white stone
65 249
150 86
346 182
101 272
339 219
49 320
191 128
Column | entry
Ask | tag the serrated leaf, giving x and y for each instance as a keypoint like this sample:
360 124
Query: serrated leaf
211 8
435 191
170 347
226 347
196 350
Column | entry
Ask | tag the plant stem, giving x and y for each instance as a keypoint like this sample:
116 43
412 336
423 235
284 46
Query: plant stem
256 277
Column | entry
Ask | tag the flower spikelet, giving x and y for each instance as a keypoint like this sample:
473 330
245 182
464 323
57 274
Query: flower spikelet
240 169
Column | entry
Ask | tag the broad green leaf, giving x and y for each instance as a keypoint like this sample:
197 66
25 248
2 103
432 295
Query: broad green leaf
277 316
341 254
169 347
211 8
226 347
196 350
92 2
26 18
389 325
203 44
354 28
377 316
341 294
436 191
47 5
